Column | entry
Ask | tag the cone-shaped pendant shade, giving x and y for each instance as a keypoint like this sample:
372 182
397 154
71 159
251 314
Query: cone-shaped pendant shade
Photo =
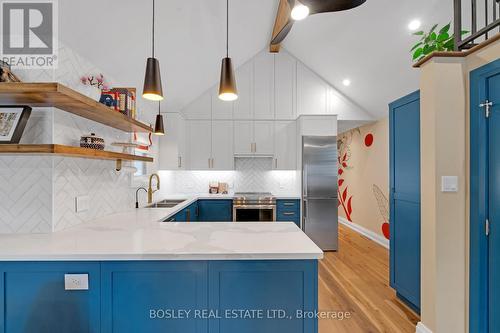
227 88
159 129
152 81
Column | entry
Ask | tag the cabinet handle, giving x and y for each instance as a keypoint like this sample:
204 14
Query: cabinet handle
288 204
188 215
209 164
276 163
288 214
255 147
212 163
179 162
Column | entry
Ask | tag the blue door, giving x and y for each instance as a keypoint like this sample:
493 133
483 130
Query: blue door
405 198
485 199
215 210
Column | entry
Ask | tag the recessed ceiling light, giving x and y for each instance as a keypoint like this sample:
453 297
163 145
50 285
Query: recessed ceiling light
346 82
414 25
300 12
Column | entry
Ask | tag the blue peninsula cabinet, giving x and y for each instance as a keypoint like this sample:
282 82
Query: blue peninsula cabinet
160 296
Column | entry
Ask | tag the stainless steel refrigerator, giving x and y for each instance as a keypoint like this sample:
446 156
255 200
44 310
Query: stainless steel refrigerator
319 190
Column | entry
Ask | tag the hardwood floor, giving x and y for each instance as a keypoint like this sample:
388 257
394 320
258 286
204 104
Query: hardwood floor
356 280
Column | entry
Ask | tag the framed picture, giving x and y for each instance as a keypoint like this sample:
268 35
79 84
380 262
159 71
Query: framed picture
13 120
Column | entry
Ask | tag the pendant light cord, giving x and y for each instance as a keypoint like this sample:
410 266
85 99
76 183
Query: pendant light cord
153 41
227 28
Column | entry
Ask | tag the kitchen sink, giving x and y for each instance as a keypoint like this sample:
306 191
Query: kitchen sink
166 203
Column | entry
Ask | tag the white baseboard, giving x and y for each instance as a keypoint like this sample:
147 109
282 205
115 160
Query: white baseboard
365 232
421 328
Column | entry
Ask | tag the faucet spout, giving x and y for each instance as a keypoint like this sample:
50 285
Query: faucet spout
150 188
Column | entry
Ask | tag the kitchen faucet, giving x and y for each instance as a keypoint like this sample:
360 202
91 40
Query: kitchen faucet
137 196
150 188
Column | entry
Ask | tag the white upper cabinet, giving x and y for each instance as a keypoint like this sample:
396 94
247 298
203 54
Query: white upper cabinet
263 137
263 86
243 137
172 144
221 109
201 108
311 92
285 151
285 69
222 145
199 138
243 105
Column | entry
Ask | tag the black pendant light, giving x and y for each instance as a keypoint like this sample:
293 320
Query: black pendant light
227 87
152 81
159 129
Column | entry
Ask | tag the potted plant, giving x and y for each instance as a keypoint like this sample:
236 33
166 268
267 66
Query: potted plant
433 41
93 86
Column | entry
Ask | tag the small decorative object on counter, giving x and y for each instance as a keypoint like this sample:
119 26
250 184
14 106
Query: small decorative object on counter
223 188
6 74
214 187
92 142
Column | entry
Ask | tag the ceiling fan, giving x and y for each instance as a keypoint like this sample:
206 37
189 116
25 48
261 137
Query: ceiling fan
303 8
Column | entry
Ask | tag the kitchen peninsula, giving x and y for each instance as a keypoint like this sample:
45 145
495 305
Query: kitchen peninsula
130 272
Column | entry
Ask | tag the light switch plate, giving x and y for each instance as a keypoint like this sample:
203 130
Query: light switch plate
76 282
449 184
82 203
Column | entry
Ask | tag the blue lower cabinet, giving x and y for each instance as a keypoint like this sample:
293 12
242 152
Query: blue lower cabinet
193 212
215 210
145 296
161 296
281 290
34 299
188 214
288 211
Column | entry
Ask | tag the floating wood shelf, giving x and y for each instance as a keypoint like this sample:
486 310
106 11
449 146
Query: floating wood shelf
70 151
59 96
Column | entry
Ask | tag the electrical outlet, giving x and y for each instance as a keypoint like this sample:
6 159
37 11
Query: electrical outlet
82 203
76 282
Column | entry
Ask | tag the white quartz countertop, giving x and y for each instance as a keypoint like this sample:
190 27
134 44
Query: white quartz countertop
138 235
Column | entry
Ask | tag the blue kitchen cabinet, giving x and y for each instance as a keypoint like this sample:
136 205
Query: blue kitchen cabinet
215 210
289 286
160 296
136 296
188 214
404 133
288 211
33 298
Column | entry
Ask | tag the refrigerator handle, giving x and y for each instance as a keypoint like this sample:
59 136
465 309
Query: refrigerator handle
304 214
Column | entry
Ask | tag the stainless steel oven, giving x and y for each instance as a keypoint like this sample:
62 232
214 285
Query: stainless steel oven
254 207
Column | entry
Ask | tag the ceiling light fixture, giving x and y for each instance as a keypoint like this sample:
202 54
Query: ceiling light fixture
346 82
299 11
227 87
152 80
159 129
414 25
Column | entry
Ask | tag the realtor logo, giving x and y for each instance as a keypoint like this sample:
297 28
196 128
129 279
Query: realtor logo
29 34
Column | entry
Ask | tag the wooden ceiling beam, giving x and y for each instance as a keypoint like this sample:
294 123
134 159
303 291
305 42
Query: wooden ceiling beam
282 18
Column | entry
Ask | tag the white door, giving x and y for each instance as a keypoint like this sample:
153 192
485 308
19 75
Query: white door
285 148
200 109
285 68
311 92
264 86
222 145
264 137
199 144
172 144
243 137
243 105
221 109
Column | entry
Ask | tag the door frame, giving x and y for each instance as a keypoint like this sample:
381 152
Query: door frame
414 96
478 262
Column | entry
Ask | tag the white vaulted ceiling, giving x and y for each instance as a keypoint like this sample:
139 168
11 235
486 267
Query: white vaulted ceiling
369 45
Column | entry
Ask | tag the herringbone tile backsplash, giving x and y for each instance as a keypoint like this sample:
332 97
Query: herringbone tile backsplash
250 175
